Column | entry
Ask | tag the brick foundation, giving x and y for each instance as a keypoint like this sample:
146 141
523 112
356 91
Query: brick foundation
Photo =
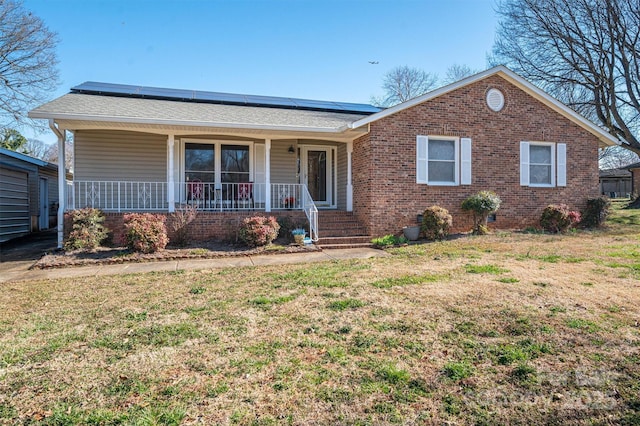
387 197
208 226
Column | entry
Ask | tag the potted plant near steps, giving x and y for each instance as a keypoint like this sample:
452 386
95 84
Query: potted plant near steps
298 236
411 233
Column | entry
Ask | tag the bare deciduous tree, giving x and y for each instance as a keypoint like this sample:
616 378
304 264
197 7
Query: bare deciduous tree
403 83
52 153
457 72
615 157
584 52
27 63
37 148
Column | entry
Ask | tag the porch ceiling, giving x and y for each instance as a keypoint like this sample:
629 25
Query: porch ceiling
80 111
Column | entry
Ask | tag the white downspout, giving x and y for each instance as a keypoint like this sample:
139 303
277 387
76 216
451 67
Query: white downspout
267 175
349 177
62 179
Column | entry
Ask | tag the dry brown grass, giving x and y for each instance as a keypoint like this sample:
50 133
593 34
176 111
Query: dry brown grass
503 329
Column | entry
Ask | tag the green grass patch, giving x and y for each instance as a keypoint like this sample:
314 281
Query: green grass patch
327 275
343 305
265 302
389 241
508 280
485 269
458 370
407 280
583 324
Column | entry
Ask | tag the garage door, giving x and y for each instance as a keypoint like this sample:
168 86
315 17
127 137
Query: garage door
14 204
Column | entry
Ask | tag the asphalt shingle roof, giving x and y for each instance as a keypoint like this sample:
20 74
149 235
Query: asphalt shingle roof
84 106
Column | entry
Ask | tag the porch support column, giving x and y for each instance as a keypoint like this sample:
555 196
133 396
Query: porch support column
349 183
267 175
62 179
171 197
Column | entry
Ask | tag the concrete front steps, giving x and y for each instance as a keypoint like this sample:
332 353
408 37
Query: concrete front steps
340 229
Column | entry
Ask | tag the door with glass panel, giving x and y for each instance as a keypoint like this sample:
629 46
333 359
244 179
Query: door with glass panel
200 173
235 173
318 173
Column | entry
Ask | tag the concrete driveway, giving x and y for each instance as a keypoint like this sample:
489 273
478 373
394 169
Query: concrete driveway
17 256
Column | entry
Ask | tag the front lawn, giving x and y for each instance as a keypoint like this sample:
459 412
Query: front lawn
509 328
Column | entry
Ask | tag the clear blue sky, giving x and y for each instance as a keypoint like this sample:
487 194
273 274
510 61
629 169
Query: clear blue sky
298 48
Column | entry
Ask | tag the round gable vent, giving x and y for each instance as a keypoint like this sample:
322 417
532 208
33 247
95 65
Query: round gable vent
495 99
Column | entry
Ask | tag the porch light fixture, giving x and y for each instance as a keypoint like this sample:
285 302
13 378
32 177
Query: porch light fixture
291 149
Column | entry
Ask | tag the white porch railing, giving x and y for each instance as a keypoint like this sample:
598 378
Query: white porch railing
148 196
152 196
119 196
311 211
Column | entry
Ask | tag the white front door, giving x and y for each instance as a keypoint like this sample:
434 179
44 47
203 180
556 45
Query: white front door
318 173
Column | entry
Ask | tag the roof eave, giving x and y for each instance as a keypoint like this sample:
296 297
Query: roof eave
132 120
605 138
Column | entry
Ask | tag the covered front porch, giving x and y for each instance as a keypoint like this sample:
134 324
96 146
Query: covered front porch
153 149
121 171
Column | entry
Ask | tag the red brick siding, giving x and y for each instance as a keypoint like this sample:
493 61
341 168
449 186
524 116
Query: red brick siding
387 197
362 180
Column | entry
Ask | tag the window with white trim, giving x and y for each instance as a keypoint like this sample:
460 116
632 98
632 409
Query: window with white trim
217 162
543 164
443 160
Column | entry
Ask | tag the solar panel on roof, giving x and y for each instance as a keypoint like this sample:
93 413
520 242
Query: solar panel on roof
269 100
219 97
91 86
157 92
110 89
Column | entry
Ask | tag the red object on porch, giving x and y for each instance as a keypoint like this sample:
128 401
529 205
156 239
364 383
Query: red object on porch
196 189
245 191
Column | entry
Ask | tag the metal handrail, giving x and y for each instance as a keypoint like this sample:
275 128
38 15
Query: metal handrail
311 211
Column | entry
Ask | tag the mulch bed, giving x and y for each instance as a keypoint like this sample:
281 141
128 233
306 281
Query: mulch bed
117 255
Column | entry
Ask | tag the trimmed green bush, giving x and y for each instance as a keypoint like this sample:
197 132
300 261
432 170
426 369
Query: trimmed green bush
88 231
558 218
436 223
259 230
481 205
596 212
145 232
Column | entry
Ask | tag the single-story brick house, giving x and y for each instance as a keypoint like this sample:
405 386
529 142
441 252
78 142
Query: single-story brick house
344 165
28 194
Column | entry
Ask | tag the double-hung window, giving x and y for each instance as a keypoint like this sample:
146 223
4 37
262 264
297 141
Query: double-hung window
443 160
235 163
543 164
199 162
218 162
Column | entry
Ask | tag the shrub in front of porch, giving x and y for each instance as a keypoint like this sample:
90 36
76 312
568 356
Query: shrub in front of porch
145 232
88 231
259 230
180 223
